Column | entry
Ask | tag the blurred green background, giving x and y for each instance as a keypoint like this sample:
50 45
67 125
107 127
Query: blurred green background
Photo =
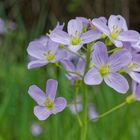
34 18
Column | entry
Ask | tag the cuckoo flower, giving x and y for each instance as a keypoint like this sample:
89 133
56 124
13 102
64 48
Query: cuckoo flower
105 68
78 70
133 67
76 105
116 30
92 114
75 38
36 129
47 103
44 51
136 45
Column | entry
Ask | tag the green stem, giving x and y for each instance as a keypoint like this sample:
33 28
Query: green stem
85 100
112 110
75 104
114 50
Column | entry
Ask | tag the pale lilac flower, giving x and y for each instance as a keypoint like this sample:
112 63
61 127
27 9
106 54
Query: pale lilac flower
76 105
92 114
2 26
75 38
78 69
116 30
36 129
44 51
133 67
105 68
47 103
136 45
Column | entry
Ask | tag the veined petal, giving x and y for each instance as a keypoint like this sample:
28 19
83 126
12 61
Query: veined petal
117 82
90 36
75 48
130 35
99 24
52 46
59 105
60 55
99 55
42 113
75 26
60 37
80 66
37 94
119 59
68 65
36 49
135 76
37 63
51 88
117 21
93 77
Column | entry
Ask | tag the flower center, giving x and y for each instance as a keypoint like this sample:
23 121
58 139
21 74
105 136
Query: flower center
132 66
75 41
49 103
116 31
104 70
49 55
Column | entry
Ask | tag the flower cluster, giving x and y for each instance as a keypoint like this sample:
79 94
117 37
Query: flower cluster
91 51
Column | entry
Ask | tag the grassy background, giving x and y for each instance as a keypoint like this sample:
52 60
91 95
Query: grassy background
16 107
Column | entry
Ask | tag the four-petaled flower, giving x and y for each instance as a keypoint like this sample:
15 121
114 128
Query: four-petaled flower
47 103
44 51
106 68
77 71
75 38
116 30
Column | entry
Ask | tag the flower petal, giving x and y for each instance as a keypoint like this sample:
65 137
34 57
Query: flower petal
117 82
130 35
80 66
37 94
75 26
99 55
51 88
36 49
90 36
52 46
101 25
60 104
137 93
93 77
42 113
60 37
119 59
117 21
75 48
135 76
36 63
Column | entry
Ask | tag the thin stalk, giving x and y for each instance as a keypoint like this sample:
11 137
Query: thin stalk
112 110
75 104
85 100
